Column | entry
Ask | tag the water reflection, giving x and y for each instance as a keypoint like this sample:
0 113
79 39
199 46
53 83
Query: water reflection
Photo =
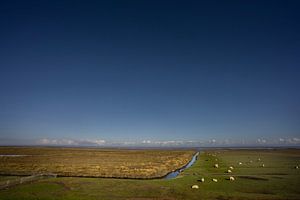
177 172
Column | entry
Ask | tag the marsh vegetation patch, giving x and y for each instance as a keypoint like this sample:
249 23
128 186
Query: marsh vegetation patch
83 162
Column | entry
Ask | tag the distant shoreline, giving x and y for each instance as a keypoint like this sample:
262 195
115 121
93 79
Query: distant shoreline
149 147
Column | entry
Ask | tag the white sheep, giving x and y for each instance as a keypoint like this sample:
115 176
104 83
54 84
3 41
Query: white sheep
263 165
195 187
215 180
231 168
297 167
202 180
229 171
231 178
240 163
216 165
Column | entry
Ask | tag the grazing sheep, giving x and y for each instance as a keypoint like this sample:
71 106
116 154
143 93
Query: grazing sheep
240 163
195 186
231 168
216 165
297 167
231 178
229 171
201 180
215 180
263 165
258 159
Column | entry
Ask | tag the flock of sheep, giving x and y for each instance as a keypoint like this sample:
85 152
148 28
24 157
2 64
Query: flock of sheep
229 170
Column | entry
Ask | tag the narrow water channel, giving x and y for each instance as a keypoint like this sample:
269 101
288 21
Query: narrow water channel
174 174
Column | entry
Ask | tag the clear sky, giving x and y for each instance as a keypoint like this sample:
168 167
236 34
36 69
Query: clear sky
149 72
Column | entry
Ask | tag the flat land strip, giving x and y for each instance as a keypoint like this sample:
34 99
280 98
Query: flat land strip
85 162
263 175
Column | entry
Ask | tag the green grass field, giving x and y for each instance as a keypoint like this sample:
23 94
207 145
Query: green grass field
278 179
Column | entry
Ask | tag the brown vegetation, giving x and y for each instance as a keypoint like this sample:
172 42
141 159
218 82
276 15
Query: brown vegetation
92 162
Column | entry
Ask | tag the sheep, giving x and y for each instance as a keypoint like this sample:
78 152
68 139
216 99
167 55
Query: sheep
195 187
201 180
229 171
216 165
231 168
231 178
215 180
297 167
263 165
240 163
258 159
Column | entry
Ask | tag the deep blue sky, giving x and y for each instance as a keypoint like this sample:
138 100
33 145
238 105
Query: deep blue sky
149 70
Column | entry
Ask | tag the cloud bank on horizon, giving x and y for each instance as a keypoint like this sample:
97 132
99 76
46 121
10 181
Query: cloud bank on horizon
259 142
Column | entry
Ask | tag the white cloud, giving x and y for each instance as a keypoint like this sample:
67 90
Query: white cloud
261 141
98 142
289 141
171 143
293 140
212 141
69 142
129 143
46 141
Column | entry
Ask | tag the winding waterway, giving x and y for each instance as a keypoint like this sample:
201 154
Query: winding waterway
175 173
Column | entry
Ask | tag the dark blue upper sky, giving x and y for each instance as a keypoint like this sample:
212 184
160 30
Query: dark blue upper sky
149 70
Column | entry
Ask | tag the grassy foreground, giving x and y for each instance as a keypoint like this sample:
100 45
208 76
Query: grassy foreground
278 179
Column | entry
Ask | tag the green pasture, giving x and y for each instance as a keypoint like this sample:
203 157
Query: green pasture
278 179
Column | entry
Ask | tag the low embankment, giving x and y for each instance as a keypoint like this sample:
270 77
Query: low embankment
20 180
